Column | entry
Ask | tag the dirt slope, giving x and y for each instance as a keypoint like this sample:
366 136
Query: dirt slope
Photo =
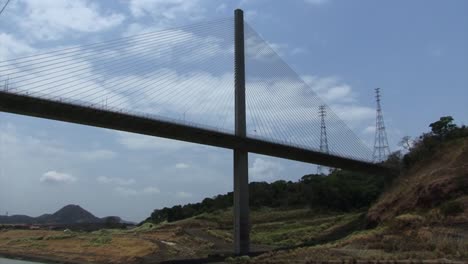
409 226
429 183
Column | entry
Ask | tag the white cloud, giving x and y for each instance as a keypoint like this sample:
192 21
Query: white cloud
182 166
73 78
151 190
51 19
262 170
258 49
142 142
100 154
340 92
166 12
222 8
45 150
171 43
353 113
298 51
435 51
290 97
250 14
281 98
331 89
369 130
183 194
57 177
11 47
115 180
126 191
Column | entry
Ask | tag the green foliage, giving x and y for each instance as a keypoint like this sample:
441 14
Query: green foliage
394 161
305 229
442 131
144 227
179 212
443 127
59 237
342 190
339 191
113 222
238 260
101 240
451 208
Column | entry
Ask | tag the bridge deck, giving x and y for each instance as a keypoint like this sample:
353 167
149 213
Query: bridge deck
75 113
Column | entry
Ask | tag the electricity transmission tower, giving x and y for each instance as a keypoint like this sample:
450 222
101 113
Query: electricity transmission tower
323 136
381 148
5 86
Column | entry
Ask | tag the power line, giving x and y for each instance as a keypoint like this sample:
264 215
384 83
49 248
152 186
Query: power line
1 11
282 95
134 74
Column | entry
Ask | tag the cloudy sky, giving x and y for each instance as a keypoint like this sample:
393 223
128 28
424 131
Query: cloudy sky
416 51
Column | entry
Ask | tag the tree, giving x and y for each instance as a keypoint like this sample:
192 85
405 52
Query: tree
442 127
112 221
394 161
339 191
406 142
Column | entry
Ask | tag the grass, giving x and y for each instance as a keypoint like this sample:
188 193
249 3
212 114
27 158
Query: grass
455 246
60 236
110 246
276 227
300 230
147 227
415 189
226 235
309 235
100 240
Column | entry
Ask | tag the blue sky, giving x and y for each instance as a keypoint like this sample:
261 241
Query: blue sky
416 51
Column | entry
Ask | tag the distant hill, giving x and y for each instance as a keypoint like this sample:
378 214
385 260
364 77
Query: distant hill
68 215
17 219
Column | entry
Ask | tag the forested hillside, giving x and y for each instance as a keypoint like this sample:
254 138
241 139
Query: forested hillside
339 191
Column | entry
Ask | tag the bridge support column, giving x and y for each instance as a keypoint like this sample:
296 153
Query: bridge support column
241 203
241 177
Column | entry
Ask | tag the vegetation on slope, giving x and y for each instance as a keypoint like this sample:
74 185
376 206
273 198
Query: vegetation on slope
422 216
341 191
282 227
435 171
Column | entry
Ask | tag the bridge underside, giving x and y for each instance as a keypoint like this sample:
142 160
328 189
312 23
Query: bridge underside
74 113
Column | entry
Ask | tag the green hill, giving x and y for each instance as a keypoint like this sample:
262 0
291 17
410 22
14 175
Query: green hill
341 191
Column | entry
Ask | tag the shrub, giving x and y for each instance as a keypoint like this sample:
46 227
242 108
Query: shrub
451 208
442 131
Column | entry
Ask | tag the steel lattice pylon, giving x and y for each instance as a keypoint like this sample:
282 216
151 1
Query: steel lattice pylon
323 136
381 148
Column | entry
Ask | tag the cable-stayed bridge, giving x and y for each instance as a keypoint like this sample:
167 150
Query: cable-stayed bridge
216 83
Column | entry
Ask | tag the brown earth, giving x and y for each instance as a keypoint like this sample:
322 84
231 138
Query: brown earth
409 226
429 183
186 239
